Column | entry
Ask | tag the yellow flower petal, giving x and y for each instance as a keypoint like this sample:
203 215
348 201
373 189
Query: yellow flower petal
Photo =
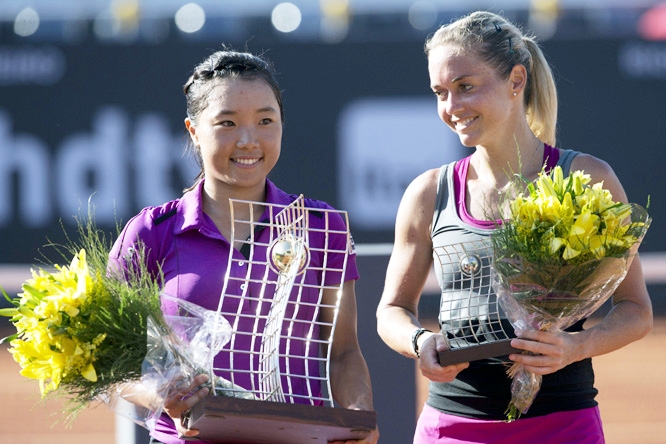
585 225
558 179
89 373
570 253
555 244
545 186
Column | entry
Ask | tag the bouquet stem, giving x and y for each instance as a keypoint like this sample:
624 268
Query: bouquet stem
524 388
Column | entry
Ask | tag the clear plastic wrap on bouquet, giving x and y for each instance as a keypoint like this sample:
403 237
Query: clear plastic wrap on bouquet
554 296
550 299
179 347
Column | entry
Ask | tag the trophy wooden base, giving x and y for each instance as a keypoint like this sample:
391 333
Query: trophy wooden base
475 352
221 419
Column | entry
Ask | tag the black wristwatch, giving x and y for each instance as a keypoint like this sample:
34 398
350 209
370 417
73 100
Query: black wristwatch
415 338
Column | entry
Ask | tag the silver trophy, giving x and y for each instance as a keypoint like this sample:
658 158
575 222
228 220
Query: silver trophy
272 378
470 316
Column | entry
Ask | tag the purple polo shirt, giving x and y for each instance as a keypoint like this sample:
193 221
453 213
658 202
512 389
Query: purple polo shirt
195 256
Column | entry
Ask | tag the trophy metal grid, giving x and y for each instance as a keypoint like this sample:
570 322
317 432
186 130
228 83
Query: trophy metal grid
470 316
284 308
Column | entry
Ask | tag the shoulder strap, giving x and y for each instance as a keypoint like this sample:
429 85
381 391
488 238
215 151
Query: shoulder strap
566 157
443 188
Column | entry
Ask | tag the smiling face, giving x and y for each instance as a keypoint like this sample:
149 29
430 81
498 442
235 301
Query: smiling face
472 99
238 135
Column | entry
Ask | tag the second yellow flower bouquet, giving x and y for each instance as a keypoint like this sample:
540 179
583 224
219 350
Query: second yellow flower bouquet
90 334
564 248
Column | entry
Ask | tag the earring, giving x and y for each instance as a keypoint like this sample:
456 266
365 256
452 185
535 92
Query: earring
515 94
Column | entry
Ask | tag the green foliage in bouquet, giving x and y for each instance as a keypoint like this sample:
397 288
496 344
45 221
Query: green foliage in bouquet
81 330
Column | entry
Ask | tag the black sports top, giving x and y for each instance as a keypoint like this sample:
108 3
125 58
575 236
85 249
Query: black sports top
462 257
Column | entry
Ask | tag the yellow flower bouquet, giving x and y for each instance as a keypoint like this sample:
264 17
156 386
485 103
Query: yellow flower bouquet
562 251
90 334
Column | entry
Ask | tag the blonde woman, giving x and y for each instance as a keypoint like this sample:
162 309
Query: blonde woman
495 90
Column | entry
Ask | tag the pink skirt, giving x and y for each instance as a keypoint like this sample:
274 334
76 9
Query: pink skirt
571 427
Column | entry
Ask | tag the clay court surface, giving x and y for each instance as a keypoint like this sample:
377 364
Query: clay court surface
631 383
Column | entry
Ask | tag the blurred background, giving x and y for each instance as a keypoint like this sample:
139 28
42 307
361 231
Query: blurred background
91 111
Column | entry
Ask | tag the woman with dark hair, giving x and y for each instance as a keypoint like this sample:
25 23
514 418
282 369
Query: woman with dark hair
234 121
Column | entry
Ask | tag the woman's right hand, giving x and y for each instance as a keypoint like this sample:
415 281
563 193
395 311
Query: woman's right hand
183 399
429 361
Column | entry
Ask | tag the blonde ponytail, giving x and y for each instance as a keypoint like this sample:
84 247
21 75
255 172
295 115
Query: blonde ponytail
541 100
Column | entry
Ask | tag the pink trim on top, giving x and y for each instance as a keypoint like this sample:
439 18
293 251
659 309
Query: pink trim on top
550 157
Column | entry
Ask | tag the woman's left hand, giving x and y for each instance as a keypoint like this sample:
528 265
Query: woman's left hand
183 398
548 351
